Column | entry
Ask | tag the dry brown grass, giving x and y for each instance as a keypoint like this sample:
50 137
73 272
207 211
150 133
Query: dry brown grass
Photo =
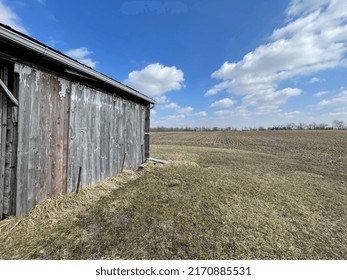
241 197
24 237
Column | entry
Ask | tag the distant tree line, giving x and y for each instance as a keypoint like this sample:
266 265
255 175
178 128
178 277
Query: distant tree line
335 125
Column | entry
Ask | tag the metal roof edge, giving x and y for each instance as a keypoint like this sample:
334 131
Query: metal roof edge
27 42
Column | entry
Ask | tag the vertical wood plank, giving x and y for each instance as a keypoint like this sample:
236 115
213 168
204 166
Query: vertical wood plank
3 121
102 136
23 140
117 112
131 136
147 129
108 120
13 164
44 122
66 110
1 163
123 124
34 168
72 139
97 144
142 134
9 163
89 134
112 140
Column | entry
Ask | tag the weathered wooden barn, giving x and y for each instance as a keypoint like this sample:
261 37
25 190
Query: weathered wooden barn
58 116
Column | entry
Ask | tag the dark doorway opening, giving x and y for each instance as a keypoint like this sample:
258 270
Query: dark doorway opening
8 139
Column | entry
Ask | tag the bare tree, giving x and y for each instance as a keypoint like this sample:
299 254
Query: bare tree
322 126
338 124
290 126
301 126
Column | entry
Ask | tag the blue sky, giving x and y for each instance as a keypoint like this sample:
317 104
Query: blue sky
206 63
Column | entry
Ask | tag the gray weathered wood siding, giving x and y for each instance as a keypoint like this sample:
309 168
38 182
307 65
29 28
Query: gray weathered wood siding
42 137
64 125
102 128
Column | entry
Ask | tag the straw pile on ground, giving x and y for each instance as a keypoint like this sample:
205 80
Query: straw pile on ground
58 209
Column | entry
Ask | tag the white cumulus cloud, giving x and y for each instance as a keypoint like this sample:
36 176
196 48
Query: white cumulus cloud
240 111
8 17
304 6
320 93
339 114
185 110
201 114
81 55
314 80
175 117
292 114
224 103
156 79
161 99
338 100
171 105
175 106
313 39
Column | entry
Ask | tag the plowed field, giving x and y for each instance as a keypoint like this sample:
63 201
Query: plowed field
325 148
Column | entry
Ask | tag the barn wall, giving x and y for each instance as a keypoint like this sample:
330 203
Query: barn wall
42 137
102 128
63 126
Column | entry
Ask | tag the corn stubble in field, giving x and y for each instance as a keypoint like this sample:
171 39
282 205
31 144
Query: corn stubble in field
251 195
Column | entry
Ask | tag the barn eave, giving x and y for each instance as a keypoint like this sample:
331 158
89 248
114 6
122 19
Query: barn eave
72 67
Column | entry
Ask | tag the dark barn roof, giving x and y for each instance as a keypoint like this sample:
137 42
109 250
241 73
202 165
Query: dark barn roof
18 46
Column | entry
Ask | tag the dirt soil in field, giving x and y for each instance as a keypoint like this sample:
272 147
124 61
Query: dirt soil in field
225 195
